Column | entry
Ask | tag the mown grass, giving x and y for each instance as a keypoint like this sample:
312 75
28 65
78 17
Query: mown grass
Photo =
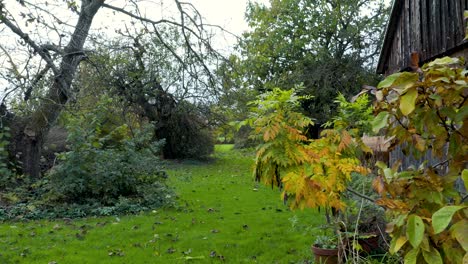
222 217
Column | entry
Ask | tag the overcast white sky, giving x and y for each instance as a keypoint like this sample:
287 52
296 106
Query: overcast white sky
226 13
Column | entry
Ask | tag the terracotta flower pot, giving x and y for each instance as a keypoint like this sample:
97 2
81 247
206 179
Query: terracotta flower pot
324 255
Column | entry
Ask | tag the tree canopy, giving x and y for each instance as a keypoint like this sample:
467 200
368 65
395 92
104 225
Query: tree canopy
327 45
50 40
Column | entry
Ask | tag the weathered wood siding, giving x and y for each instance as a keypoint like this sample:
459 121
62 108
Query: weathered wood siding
407 160
431 27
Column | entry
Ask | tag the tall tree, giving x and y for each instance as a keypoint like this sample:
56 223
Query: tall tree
327 45
55 47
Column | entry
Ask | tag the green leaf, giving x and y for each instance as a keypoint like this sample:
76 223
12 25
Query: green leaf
462 114
442 218
387 82
408 101
441 79
380 121
388 173
400 82
415 230
412 256
380 164
432 257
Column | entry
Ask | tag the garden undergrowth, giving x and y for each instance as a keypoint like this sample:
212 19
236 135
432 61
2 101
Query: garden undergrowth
222 216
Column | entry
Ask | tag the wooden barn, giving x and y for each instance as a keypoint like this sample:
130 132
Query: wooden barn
431 28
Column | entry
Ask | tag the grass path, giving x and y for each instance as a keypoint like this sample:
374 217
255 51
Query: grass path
223 217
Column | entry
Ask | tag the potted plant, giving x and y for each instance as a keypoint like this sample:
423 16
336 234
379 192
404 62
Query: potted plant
325 249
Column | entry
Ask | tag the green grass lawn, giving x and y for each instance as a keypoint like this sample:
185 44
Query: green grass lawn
223 216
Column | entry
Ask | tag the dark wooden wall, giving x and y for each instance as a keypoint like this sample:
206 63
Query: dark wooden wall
431 27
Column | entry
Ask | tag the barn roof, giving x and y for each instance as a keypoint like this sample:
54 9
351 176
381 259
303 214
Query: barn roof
389 33
433 28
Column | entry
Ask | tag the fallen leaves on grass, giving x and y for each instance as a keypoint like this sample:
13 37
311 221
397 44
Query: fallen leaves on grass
116 253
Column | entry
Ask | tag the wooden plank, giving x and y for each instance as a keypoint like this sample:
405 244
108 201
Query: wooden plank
459 26
443 14
463 7
415 26
452 22
397 48
402 26
424 30
406 23
434 30
457 21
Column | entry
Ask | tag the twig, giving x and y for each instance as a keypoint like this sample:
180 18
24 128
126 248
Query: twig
349 189
440 163
464 198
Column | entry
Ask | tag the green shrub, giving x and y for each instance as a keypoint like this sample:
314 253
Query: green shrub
5 173
92 171
109 169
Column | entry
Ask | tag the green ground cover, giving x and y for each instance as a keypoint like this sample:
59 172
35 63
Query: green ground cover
222 217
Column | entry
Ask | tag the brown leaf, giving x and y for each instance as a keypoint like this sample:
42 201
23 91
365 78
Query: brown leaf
378 185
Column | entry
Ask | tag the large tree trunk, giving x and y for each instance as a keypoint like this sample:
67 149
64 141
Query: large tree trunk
29 132
25 148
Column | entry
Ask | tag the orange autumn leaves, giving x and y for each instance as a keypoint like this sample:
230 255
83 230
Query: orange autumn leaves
325 175
312 172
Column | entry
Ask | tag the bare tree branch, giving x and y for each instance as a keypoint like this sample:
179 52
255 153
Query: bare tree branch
30 42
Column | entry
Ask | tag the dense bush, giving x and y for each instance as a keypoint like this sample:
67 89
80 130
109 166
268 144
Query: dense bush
107 170
6 175
186 133
90 172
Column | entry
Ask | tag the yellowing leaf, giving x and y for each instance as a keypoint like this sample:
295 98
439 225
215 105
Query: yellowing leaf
459 231
400 242
408 101
419 142
443 61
